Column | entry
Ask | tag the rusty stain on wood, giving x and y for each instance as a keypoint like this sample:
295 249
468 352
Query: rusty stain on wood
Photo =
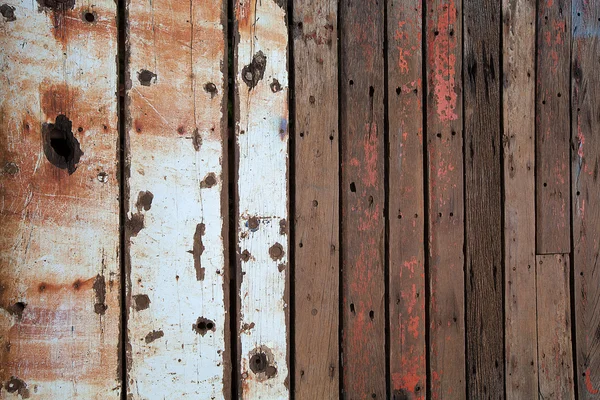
59 209
176 151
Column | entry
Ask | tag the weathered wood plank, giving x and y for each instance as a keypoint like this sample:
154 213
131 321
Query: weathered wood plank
519 198
554 327
261 131
446 199
483 200
59 210
316 275
586 193
553 224
362 193
408 367
177 297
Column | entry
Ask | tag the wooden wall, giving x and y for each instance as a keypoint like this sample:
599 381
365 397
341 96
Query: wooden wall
312 199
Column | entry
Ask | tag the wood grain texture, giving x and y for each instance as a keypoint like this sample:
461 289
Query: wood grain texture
316 185
177 303
483 200
586 194
408 368
59 210
445 216
554 327
261 131
363 198
553 224
518 18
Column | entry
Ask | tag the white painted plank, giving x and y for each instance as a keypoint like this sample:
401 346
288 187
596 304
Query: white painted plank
262 144
59 219
178 322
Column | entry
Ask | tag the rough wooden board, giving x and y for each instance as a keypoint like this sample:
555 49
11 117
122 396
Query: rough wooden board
519 198
177 302
316 183
261 130
554 327
446 207
483 200
586 194
362 192
553 225
59 235
408 368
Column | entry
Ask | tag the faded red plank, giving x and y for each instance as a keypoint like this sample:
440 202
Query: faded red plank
586 194
363 198
316 183
553 225
445 190
406 234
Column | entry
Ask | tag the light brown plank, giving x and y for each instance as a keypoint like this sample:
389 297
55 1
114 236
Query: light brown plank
363 198
408 368
553 203
519 198
446 199
316 275
554 327
59 210
586 194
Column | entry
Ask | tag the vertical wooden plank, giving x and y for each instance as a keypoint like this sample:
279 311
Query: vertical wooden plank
446 206
59 210
175 229
483 200
554 327
518 18
362 192
586 194
408 367
553 224
316 275
261 85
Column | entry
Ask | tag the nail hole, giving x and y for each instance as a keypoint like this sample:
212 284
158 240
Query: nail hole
352 310
372 315
353 187
89 17
398 91
371 91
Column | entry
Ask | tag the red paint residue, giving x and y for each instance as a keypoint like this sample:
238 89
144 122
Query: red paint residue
369 177
444 62
588 383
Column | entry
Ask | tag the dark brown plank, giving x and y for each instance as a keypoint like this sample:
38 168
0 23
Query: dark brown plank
483 200
586 194
553 127
446 206
554 327
362 194
406 246
519 198
316 351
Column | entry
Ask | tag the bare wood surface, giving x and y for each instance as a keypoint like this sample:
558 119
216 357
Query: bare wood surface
316 183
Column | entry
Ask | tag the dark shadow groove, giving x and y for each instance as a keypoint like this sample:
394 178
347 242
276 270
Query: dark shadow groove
232 209
341 198
386 204
292 199
426 249
123 176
